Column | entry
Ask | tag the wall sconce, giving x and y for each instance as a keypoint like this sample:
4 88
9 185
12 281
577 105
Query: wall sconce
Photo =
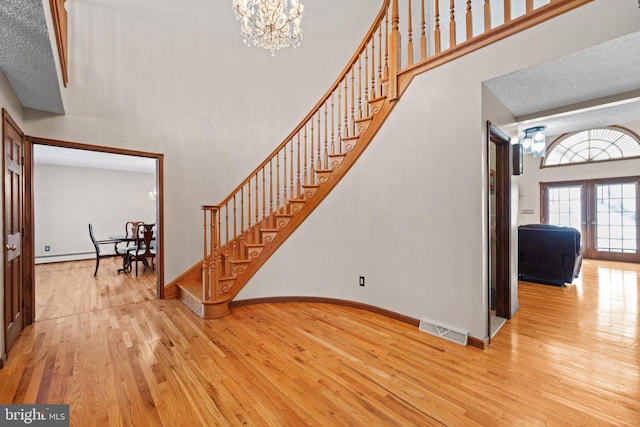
535 141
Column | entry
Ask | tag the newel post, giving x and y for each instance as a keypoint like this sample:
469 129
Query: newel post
215 297
394 52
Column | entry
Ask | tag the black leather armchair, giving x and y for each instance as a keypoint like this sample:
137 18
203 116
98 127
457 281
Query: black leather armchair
549 254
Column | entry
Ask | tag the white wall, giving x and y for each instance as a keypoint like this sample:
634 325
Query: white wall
533 175
411 222
67 198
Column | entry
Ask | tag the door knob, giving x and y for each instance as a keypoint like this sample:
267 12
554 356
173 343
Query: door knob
12 247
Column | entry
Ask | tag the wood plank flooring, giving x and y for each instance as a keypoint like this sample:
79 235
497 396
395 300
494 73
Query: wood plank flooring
570 356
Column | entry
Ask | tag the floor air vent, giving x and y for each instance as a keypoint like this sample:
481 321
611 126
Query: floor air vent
434 328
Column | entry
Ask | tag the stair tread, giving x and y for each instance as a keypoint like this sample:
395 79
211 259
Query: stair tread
194 287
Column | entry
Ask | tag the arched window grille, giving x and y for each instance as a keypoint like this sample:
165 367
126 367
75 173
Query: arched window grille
593 145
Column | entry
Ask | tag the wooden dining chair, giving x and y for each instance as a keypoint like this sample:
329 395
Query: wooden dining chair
144 249
96 245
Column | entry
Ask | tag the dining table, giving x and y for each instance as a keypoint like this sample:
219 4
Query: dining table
127 239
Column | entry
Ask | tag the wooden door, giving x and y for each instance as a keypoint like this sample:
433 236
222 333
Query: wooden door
604 210
13 144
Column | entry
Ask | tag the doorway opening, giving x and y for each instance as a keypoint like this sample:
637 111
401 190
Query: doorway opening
75 184
499 269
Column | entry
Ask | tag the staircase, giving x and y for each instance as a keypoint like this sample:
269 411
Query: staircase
245 229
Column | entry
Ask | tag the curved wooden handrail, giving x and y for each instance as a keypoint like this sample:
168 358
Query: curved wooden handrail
376 23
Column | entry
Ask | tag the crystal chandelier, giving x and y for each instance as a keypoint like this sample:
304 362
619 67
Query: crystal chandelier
268 23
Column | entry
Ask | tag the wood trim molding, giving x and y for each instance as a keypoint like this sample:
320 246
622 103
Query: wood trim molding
59 16
160 183
472 341
3 360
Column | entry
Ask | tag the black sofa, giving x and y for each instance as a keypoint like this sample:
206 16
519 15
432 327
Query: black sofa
548 254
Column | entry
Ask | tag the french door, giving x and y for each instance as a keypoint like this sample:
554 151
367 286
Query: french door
605 211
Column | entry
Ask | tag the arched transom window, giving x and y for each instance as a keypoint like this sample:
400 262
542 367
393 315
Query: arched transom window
593 145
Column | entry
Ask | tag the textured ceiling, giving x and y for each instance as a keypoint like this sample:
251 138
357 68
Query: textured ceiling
26 56
598 86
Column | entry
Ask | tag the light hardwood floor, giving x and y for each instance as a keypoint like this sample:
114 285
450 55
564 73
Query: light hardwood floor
570 356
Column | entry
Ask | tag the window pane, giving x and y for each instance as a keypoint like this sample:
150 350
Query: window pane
603 232
593 145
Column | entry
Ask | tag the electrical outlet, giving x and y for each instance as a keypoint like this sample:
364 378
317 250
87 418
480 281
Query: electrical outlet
361 280
47 248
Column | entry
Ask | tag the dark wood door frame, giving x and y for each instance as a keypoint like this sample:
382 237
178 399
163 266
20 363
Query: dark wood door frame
15 305
502 178
29 212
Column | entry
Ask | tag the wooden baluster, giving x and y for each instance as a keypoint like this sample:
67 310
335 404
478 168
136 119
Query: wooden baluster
359 87
284 179
423 33
507 11
333 106
312 168
264 193
380 62
217 270
386 46
249 204
372 93
235 228
436 31
353 102
319 141
339 116
452 25
242 251
286 199
365 110
326 133
298 183
257 205
394 52
346 107
487 16
529 7
270 188
469 21
409 36
305 176
258 199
